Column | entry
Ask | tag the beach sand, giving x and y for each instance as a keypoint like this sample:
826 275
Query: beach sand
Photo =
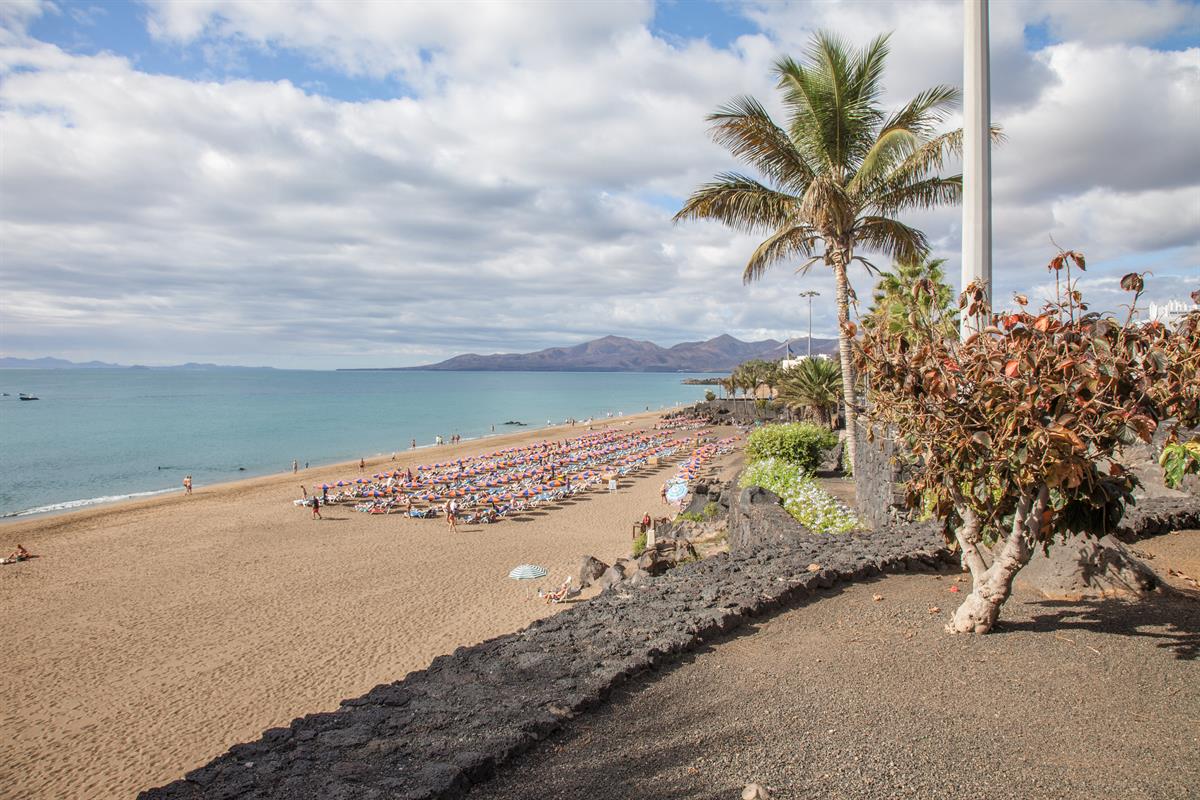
150 636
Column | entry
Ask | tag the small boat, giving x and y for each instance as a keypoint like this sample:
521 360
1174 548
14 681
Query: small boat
23 396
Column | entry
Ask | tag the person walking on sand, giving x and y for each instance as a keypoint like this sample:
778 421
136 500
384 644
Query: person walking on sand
413 445
303 492
187 484
362 464
663 495
295 466
316 506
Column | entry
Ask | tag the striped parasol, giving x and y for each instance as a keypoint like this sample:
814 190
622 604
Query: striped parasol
526 572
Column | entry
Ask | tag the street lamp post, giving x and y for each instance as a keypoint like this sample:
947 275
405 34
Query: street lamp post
810 294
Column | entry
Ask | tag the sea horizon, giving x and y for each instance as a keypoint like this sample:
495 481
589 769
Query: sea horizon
104 435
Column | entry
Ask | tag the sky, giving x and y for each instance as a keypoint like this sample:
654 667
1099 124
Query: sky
332 183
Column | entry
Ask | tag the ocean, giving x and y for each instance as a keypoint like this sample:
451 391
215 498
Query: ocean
100 435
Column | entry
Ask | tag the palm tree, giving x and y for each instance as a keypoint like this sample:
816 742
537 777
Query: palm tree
814 384
895 298
836 176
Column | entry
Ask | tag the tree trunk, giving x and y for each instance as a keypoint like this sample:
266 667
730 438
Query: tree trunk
993 585
843 310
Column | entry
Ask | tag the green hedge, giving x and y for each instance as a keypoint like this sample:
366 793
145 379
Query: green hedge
799 443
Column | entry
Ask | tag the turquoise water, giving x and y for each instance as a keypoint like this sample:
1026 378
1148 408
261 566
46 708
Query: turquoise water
102 435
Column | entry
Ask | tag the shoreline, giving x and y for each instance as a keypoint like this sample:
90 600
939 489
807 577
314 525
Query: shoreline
149 498
156 633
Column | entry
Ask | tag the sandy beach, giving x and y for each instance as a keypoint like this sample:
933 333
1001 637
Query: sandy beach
150 636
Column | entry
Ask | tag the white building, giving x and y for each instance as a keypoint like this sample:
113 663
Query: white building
1169 312
787 363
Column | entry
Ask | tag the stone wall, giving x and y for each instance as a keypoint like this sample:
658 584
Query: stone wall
1155 516
757 519
878 498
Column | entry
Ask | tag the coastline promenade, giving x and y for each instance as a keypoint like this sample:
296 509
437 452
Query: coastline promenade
151 635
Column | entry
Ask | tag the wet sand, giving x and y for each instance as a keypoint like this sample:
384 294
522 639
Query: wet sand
149 636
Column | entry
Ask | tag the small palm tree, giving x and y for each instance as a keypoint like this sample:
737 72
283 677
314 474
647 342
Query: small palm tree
838 173
815 385
915 287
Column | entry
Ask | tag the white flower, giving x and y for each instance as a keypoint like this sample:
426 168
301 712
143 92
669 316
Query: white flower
807 502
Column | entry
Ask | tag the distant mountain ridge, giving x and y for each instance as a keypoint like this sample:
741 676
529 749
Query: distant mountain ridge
621 354
9 362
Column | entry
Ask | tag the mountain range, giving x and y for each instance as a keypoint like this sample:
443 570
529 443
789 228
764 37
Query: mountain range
620 354
9 362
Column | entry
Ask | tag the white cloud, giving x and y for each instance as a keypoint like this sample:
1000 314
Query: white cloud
521 195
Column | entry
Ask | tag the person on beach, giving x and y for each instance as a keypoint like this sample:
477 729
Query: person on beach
362 464
187 485
18 555
663 494
316 507
324 495
303 492
413 445
295 466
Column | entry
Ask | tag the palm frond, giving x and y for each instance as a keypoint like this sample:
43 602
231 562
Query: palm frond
787 243
740 202
922 114
745 128
931 156
891 238
892 145
928 193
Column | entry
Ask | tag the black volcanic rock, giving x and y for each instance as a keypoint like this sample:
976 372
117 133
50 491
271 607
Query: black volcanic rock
619 354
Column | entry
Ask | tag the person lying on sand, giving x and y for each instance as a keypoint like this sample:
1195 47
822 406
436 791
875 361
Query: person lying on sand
20 554
559 594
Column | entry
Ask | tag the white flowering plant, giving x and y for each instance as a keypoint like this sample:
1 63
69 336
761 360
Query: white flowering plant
808 503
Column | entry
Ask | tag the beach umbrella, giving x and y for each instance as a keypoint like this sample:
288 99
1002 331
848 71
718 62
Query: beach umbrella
343 483
526 572
676 492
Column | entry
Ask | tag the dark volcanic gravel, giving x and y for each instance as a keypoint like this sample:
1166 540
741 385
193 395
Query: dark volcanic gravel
856 698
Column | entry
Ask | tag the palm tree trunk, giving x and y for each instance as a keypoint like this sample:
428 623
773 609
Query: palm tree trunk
843 310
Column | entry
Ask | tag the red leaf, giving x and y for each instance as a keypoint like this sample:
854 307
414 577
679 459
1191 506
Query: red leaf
1012 368
1042 323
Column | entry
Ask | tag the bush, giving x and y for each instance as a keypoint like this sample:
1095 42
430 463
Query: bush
799 443
808 503
709 512
710 395
639 545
